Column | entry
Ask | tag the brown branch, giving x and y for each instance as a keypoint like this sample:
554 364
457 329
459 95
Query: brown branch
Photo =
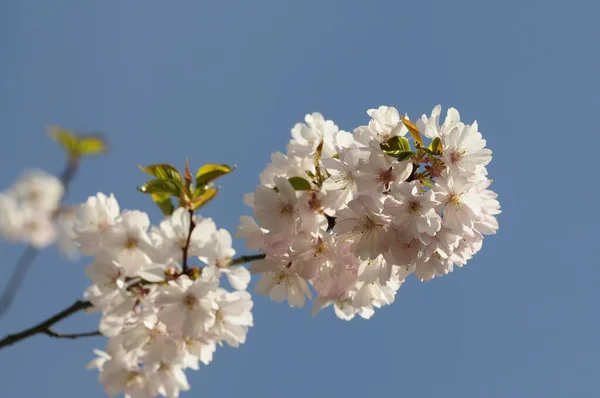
246 259
187 243
56 335
44 327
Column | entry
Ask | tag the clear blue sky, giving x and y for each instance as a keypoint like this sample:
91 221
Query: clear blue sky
225 81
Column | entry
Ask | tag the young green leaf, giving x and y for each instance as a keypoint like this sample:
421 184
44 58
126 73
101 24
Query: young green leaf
164 203
414 131
91 145
210 172
67 139
299 183
161 187
396 143
436 146
204 198
400 155
163 172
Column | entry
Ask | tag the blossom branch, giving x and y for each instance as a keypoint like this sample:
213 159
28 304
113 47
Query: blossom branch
30 253
187 243
44 327
247 259
54 334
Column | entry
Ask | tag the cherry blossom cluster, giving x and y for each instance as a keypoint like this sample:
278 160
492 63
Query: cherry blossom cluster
161 314
30 212
351 215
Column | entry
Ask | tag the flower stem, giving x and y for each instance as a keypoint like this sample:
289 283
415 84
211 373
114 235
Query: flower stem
184 264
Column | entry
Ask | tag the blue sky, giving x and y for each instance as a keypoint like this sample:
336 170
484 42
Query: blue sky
224 82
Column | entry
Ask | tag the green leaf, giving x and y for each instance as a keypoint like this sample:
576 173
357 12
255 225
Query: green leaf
299 183
400 155
163 171
396 143
164 203
161 187
91 145
414 131
210 172
428 183
77 146
436 146
204 198
67 139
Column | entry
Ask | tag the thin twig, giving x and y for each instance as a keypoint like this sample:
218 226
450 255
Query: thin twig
26 260
56 335
44 326
246 259
187 243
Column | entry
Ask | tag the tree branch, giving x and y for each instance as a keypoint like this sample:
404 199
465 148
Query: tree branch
44 327
247 259
26 260
54 334
187 243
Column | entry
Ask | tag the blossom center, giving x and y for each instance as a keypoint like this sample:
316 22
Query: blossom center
222 262
456 156
31 226
134 379
454 199
218 317
103 225
34 195
281 278
319 247
190 302
286 209
313 202
414 206
367 225
386 176
131 243
436 169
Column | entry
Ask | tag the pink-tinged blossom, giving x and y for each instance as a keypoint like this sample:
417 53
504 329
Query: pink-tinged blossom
249 230
217 255
380 172
385 123
343 174
308 137
129 241
276 210
280 281
94 218
464 150
38 191
413 210
171 236
233 316
461 203
187 307
430 126
362 222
